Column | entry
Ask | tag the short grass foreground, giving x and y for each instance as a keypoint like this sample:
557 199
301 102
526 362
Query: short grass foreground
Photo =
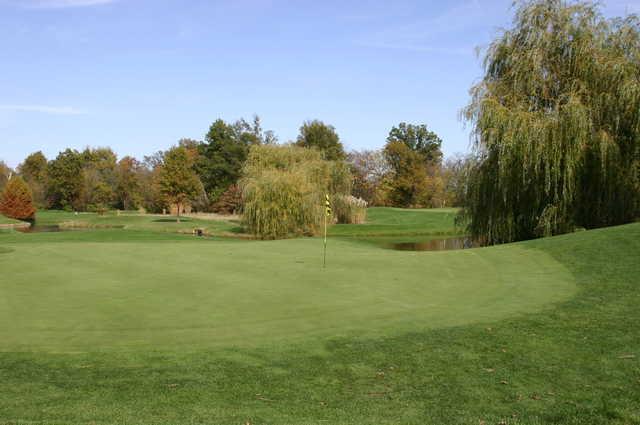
115 326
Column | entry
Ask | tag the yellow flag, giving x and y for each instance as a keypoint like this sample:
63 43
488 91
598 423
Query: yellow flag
327 205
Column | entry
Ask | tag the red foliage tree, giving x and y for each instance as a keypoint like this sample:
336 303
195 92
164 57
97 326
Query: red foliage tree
17 201
229 202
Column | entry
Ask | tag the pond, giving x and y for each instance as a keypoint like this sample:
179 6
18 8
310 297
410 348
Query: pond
447 244
41 228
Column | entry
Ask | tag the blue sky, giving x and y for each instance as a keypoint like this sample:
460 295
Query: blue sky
138 75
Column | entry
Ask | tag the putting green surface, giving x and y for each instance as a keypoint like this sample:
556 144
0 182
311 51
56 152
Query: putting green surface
88 296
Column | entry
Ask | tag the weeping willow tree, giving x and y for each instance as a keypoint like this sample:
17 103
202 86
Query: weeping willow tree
284 187
556 124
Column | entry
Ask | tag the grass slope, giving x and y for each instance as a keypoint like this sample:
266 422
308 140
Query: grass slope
531 333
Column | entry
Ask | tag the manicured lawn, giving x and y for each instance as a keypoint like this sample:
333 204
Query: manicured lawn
133 221
7 220
394 222
133 326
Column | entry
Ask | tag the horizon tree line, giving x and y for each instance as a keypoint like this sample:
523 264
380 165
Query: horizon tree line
407 172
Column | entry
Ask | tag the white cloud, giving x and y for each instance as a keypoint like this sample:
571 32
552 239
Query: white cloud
62 4
44 109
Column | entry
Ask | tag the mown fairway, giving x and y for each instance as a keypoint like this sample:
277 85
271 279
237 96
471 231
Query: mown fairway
5 220
144 326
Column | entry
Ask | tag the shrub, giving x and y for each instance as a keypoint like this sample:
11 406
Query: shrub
349 209
17 200
283 190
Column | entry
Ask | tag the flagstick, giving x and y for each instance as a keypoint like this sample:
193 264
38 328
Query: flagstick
324 261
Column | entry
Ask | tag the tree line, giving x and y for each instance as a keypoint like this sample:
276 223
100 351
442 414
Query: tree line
204 175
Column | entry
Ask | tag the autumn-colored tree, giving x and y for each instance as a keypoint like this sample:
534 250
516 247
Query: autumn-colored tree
229 202
16 201
178 181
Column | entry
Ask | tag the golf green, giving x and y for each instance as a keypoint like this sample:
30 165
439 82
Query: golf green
186 293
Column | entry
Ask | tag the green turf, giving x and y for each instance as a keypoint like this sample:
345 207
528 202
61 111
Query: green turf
7 220
172 294
124 326
393 222
133 221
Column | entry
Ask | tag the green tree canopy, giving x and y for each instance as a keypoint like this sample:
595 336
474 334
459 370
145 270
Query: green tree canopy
129 183
318 135
414 156
408 176
99 179
556 120
225 151
34 170
419 139
66 180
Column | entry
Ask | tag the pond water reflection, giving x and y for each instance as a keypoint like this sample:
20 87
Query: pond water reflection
41 229
447 244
